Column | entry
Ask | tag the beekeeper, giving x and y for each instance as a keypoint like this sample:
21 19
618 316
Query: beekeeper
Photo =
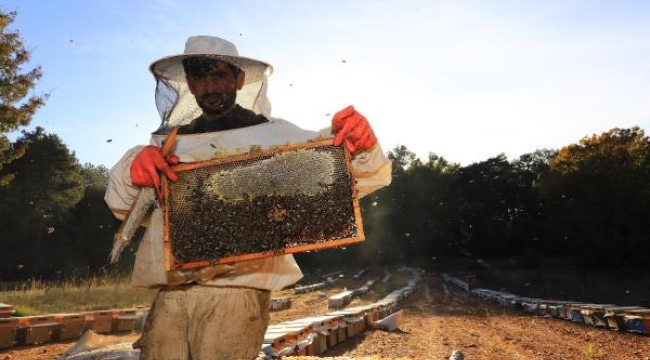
217 100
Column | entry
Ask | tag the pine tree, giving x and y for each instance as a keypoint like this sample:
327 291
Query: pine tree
17 104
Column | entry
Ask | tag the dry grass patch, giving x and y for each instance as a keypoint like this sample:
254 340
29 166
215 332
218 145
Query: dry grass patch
74 295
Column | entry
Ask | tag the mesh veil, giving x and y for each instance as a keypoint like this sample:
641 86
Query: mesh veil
176 104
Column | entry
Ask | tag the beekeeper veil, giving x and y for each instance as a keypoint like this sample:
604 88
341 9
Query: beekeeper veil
175 102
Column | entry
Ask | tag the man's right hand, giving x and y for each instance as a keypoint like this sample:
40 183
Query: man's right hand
147 164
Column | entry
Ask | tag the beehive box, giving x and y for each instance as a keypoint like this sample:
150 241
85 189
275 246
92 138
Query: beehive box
385 310
551 307
319 344
615 316
372 315
566 311
289 334
297 335
8 328
329 326
333 338
6 310
637 321
340 300
35 329
280 303
71 326
288 199
100 321
356 325
594 314
124 320
307 334
354 319
575 313
276 339
342 331
508 301
308 288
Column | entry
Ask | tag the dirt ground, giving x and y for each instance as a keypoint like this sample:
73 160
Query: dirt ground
439 318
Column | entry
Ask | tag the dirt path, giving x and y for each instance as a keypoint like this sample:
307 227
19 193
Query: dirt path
439 318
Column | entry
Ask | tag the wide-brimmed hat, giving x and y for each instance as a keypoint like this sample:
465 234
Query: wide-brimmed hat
212 47
175 102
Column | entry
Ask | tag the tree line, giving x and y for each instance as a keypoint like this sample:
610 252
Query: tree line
584 204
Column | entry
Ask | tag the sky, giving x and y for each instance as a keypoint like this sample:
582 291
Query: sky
463 79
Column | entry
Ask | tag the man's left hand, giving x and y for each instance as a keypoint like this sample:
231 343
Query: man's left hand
353 130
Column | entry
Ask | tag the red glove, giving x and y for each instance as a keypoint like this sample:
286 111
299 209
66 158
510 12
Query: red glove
145 167
353 130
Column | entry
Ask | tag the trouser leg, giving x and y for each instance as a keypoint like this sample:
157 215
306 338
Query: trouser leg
164 336
227 323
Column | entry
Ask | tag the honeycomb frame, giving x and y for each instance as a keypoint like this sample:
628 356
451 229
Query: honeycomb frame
344 236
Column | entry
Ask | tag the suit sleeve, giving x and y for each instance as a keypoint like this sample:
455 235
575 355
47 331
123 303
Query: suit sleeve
120 193
371 169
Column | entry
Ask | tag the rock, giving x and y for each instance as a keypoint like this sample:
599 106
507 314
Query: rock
457 355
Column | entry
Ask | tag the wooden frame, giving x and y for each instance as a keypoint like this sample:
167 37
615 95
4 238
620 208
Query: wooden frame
170 262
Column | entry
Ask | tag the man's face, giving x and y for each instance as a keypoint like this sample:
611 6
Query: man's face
214 84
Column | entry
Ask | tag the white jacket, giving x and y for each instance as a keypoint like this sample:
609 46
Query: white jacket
372 170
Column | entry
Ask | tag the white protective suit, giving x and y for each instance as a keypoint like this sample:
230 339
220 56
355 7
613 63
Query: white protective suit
183 322
372 170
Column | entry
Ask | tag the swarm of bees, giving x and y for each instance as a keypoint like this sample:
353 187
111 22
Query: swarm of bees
209 227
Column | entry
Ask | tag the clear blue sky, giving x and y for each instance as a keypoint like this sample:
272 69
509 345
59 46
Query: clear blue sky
464 79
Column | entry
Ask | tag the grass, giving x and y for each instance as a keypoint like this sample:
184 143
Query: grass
592 353
74 295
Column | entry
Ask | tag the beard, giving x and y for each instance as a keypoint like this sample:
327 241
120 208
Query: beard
216 104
